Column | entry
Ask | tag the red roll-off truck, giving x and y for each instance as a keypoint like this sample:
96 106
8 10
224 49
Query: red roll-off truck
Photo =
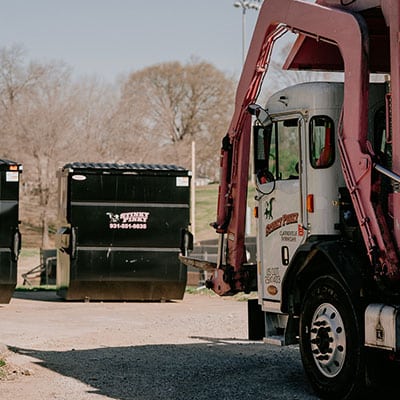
327 173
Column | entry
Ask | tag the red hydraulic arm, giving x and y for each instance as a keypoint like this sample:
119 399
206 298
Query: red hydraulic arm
391 10
343 33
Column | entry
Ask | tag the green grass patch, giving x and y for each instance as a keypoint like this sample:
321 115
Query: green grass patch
208 292
245 296
29 252
199 290
3 372
206 210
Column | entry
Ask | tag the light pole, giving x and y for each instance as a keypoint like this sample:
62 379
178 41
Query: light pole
246 5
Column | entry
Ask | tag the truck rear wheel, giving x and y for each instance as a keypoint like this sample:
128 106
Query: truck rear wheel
331 340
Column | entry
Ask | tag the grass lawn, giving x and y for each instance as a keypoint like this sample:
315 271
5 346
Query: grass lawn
206 211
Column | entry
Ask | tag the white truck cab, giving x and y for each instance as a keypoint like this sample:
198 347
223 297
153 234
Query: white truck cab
300 189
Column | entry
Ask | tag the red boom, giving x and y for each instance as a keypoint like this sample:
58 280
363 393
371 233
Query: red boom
330 38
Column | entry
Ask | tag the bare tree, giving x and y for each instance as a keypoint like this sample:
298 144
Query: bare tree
47 120
16 80
93 122
43 119
175 104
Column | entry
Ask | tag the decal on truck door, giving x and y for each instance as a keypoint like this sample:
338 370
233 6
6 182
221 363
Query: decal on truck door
268 208
286 219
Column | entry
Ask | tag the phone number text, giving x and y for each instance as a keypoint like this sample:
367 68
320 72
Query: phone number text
128 226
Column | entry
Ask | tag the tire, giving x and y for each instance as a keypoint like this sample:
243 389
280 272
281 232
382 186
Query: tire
331 340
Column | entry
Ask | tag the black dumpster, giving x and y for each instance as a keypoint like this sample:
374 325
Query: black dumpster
120 230
10 238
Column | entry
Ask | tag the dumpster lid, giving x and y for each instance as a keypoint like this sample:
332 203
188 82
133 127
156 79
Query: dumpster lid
6 165
123 167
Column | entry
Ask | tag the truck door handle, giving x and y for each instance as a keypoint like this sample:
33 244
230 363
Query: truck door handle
285 255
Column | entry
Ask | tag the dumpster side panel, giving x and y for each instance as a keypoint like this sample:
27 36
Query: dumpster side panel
138 225
9 221
8 275
9 233
126 274
63 236
142 187
127 264
125 233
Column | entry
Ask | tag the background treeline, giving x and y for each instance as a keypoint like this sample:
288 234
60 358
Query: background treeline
48 118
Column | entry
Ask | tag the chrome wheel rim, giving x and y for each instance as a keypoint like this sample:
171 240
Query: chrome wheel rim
328 340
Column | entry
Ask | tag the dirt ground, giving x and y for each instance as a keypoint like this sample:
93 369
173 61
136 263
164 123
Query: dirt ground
195 348
28 260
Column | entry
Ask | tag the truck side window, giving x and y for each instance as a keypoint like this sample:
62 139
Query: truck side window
287 148
276 149
322 143
264 153
262 141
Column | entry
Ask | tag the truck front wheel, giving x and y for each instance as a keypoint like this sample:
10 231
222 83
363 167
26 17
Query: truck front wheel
331 340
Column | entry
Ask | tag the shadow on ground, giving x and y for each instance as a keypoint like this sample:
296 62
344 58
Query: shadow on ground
217 369
51 295
37 295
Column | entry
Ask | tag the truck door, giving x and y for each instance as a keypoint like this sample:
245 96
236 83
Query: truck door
279 199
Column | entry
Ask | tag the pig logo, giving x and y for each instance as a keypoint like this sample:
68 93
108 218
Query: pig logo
114 218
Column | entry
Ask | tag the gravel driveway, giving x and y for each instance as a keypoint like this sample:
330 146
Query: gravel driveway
191 350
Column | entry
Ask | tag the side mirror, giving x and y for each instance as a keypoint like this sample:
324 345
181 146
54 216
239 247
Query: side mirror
262 115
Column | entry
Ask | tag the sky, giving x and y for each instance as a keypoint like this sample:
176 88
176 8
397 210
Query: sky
110 38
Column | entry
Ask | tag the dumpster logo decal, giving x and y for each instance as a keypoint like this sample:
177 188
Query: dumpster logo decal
128 220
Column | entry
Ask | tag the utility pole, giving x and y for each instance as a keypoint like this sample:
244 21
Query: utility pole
193 190
246 5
